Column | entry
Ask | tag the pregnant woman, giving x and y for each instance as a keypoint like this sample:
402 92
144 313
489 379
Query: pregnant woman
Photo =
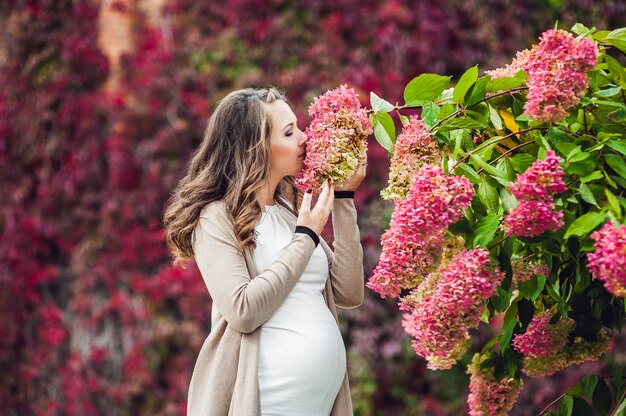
274 346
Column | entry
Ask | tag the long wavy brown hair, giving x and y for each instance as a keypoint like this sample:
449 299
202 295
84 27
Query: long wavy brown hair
231 164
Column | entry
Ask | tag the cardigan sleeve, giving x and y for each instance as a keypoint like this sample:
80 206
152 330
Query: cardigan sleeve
244 302
347 259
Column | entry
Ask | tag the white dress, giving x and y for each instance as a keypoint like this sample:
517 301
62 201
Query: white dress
302 358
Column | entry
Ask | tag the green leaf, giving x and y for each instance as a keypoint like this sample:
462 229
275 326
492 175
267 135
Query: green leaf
469 173
467 80
426 87
616 69
592 176
477 91
527 289
488 196
380 105
488 168
608 92
581 168
541 283
495 119
587 195
522 162
589 384
446 110
501 300
507 334
585 224
485 229
384 130
579 157
501 84
580 29
430 111
585 387
613 203
617 38
566 406
618 146
617 164
509 202
461 123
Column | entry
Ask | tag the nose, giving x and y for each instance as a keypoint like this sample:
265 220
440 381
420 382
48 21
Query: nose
303 138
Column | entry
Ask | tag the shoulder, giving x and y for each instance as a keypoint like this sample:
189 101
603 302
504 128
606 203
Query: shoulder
215 210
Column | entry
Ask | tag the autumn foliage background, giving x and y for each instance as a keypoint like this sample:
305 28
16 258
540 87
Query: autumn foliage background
95 320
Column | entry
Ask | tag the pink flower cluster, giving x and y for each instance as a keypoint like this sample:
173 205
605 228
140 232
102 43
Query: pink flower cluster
412 243
336 138
440 320
414 148
541 338
524 269
576 352
488 396
511 69
608 261
534 188
557 74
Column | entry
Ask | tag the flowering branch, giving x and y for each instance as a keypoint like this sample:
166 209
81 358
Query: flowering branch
482 146
506 153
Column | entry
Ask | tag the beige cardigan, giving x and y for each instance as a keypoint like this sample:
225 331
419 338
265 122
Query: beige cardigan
224 380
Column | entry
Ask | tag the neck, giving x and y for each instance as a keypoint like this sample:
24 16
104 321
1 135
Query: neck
265 195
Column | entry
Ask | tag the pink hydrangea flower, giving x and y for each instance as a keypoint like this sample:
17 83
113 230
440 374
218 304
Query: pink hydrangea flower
336 138
541 338
576 352
511 69
524 269
488 396
608 261
412 244
414 148
440 322
542 179
531 218
557 74
535 211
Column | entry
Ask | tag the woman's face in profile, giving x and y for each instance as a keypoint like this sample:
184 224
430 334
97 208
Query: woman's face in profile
287 142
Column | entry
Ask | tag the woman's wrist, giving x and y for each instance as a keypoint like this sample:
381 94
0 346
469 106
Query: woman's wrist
344 194
306 230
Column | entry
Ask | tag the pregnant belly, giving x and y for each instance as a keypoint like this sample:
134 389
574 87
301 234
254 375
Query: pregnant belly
302 358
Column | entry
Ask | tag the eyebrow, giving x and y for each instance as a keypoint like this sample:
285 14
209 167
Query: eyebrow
288 125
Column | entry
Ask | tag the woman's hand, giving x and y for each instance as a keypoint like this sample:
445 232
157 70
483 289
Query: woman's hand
357 177
315 218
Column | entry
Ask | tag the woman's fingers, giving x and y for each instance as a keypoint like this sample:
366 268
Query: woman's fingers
305 205
324 194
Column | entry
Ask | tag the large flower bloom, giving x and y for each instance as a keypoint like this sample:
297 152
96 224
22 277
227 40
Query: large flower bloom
336 138
608 261
542 179
534 188
576 352
414 148
444 311
543 339
531 218
488 396
557 74
412 244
